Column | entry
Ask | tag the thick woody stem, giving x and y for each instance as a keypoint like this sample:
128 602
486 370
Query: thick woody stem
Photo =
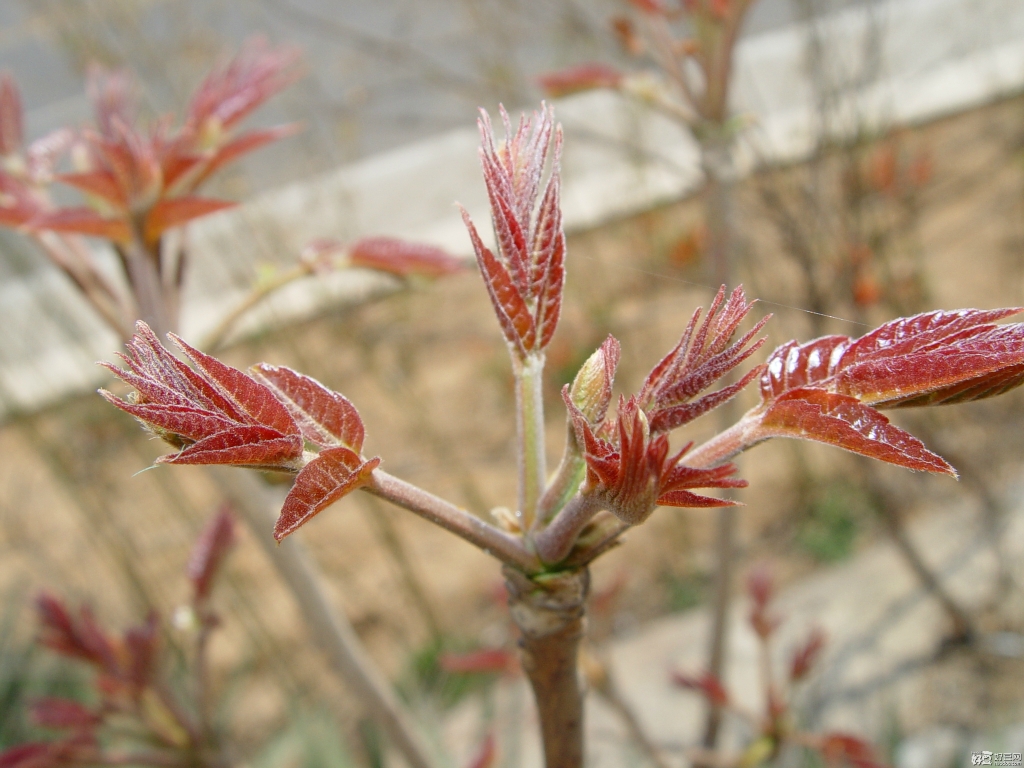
530 434
549 611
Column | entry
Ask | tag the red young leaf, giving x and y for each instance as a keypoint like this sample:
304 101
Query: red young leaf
82 221
525 279
11 116
216 414
402 257
707 684
334 473
702 357
173 212
843 421
632 472
582 77
100 183
842 749
34 754
209 552
494 660
79 638
53 712
248 142
140 651
325 417
806 655
760 588
513 314
232 91
112 93
929 359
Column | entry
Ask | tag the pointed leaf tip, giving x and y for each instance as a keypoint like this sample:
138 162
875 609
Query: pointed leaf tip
334 473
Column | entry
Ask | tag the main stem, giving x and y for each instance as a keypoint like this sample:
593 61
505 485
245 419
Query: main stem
716 159
549 612
530 433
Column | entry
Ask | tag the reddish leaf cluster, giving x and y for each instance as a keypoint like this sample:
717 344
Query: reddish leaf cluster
629 466
141 182
216 414
631 471
24 171
525 279
703 356
582 77
126 665
831 389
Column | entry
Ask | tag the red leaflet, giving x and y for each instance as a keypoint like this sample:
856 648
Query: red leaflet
11 117
232 91
707 684
216 414
582 77
495 660
843 749
63 713
843 421
806 655
334 473
77 638
209 552
525 279
82 221
760 588
929 359
113 97
100 183
632 472
174 212
230 152
402 257
829 389
325 418
140 653
702 356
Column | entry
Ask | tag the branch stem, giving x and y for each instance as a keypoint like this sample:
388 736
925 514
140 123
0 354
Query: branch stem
530 434
555 541
566 480
509 549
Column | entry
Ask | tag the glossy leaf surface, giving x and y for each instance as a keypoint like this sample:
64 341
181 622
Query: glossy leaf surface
334 473
325 417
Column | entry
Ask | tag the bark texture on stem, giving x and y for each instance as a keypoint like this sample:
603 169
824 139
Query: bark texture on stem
549 612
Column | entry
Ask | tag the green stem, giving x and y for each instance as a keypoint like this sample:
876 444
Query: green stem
565 482
530 434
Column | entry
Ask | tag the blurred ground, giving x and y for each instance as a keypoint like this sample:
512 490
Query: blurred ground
381 74
430 376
